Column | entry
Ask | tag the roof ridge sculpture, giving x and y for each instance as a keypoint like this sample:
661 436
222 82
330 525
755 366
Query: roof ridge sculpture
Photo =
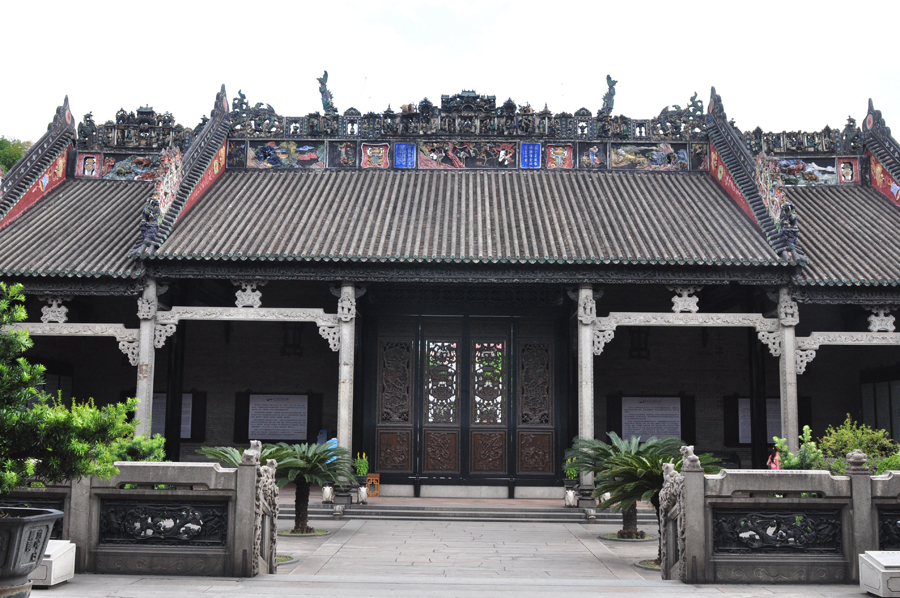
876 137
774 214
26 172
157 218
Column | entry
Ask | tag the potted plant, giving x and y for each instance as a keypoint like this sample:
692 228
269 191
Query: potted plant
44 440
362 468
571 473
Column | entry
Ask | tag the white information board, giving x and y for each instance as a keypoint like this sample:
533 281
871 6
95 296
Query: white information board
773 420
278 417
158 414
651 416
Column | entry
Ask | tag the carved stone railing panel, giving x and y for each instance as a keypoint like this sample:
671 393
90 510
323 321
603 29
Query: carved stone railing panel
163 522
767 531
265 514
671 524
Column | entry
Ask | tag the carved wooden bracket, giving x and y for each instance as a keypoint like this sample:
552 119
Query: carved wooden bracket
808 345
127 337
55 311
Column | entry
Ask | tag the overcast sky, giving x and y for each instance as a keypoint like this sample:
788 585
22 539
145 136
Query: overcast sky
779 65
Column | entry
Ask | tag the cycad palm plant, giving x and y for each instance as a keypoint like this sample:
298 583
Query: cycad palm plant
303 464
595 456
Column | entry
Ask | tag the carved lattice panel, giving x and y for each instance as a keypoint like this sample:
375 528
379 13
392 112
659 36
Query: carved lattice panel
441 451
535 452
442 382
394 448
488 382
395 382
488 452
535 382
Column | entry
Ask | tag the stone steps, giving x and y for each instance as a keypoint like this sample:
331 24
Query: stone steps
462 513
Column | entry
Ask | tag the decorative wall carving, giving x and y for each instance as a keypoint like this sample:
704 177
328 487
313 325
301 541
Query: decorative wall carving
394 450
488 452
488 383
535 452
146 308
441 451
163 523
535 382
881 320
395 382
683 301
441 382
55 311
161 332
347 305
788 311
587 310
248 295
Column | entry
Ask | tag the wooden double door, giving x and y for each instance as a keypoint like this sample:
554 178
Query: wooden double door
467 400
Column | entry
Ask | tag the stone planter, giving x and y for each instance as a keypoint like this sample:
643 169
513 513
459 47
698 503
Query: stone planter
24 534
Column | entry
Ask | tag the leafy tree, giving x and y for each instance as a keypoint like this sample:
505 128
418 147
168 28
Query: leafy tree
809 456
40 437
11 151
303 464
139 448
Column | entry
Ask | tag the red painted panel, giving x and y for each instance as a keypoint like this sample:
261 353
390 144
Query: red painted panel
213 172
883 181
53 176
720 173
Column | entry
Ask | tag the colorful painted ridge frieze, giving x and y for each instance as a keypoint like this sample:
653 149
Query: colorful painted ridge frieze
466 154
662 156
287 154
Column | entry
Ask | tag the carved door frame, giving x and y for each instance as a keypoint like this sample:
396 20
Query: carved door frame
495 437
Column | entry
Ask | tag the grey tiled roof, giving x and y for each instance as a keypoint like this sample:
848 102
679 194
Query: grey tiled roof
851 235
469 217
83 228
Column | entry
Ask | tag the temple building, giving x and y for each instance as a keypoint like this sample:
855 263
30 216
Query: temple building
460 288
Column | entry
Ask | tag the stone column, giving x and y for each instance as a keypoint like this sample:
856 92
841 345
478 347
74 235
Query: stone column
788 316
347 323
147 305
587 313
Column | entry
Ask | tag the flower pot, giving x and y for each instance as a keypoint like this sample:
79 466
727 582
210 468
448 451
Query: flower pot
570 483
361 479
24 534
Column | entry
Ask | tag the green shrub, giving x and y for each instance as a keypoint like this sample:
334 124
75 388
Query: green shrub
139 448
891 463
808 457
837 442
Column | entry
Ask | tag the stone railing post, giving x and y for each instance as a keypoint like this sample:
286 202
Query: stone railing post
245 512
80 521
865 525
695 557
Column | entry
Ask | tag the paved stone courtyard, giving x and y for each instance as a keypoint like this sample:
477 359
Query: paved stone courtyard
438 558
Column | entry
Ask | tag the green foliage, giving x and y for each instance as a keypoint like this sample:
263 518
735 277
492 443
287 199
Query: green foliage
570 471
362 464
808 457
40 437
139 448
891 463
315 463
589 454
837 442
11 151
